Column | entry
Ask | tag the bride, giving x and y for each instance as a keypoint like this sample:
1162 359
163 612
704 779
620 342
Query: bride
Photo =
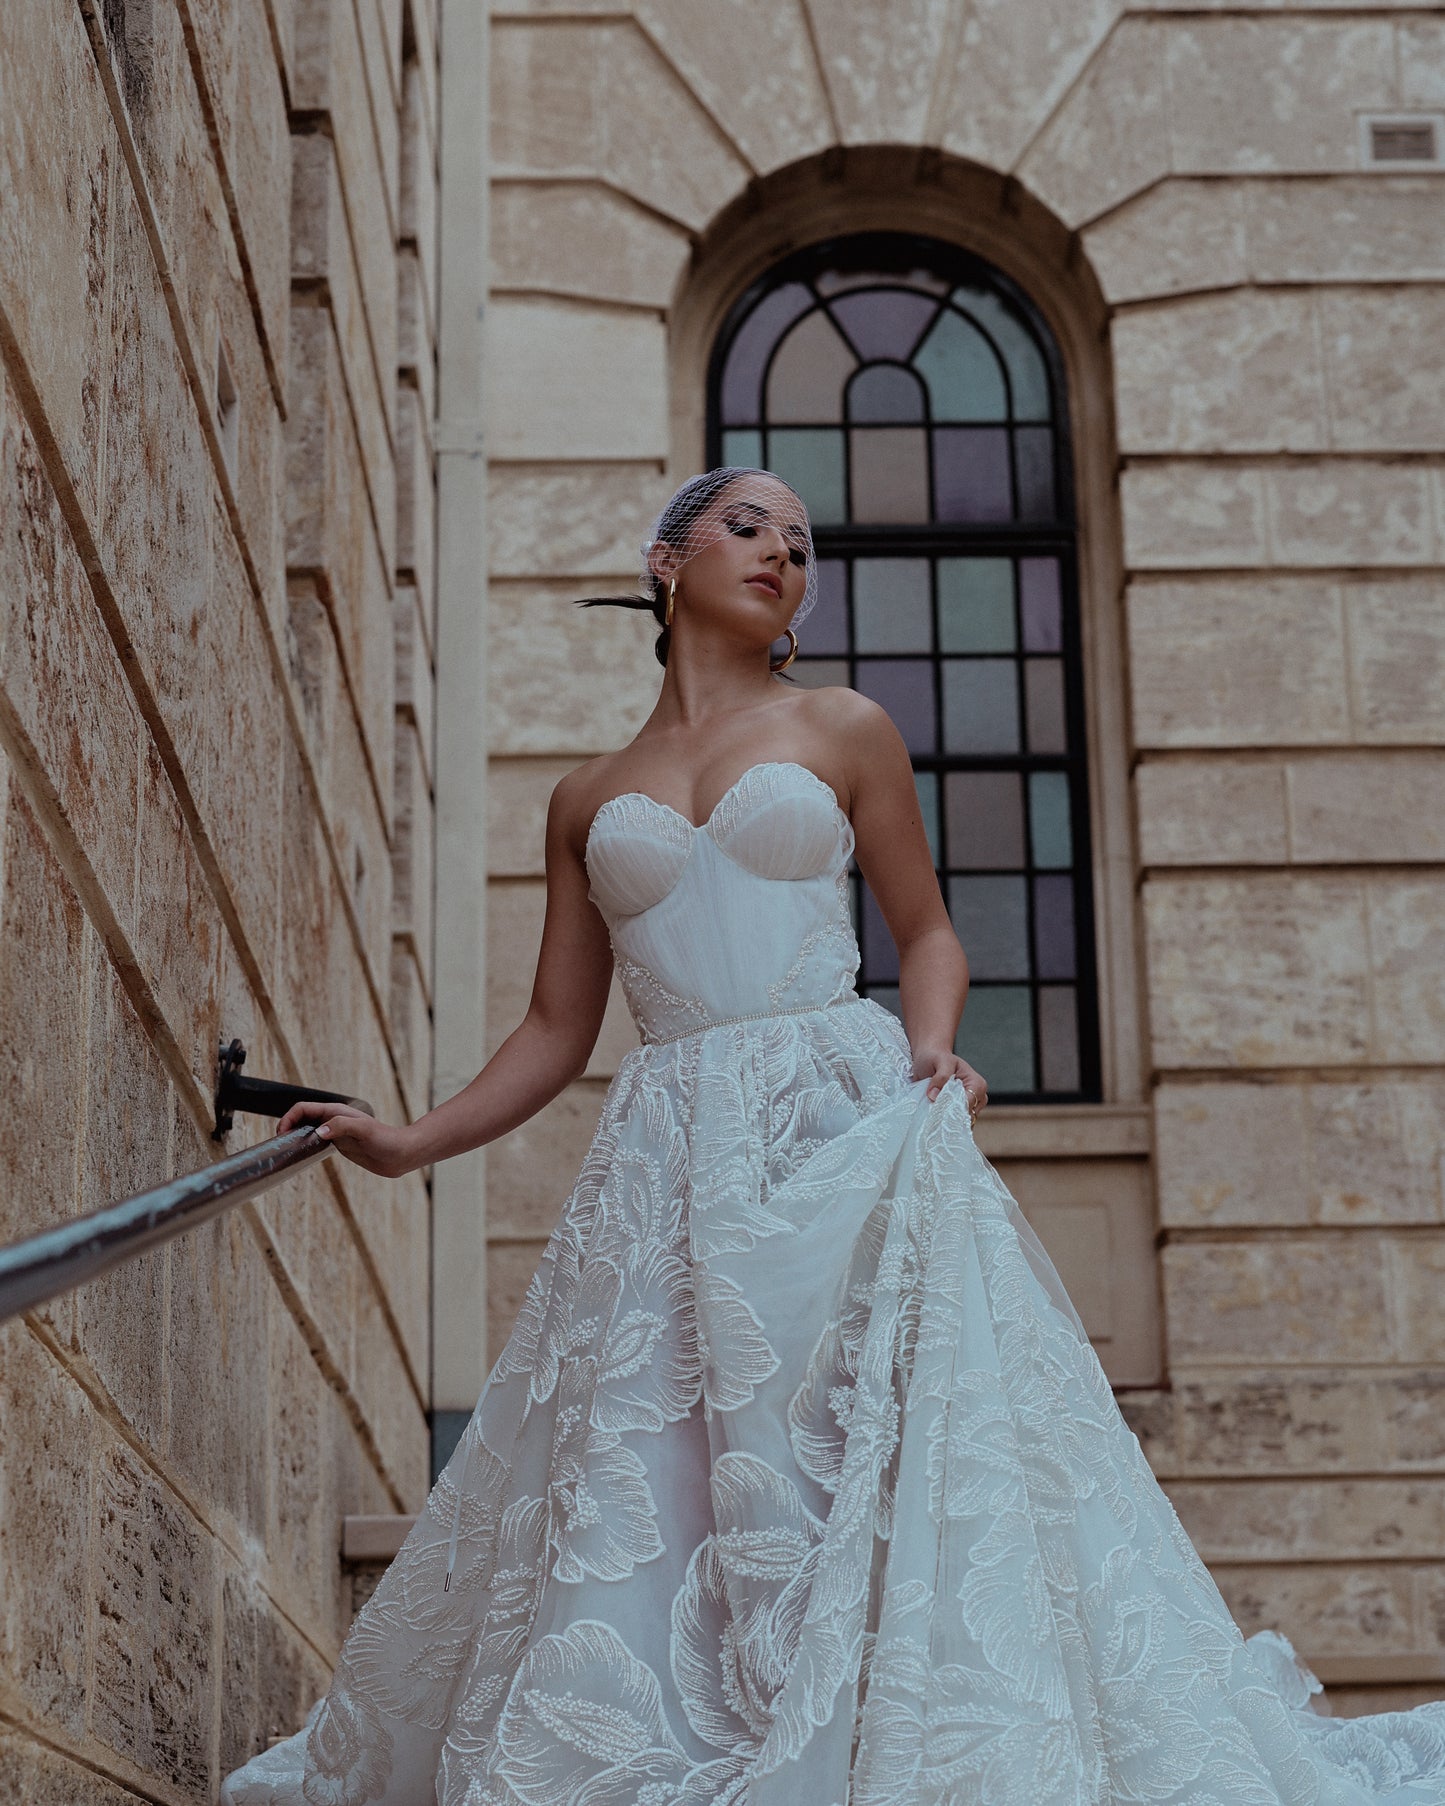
798 1480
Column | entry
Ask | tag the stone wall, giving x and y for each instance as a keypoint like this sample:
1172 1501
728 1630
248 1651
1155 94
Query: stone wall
217 322
1261 440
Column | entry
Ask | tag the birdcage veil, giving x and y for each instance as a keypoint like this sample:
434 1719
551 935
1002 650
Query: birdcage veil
711 505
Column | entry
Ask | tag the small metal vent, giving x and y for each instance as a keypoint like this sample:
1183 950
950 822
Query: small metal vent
1403 138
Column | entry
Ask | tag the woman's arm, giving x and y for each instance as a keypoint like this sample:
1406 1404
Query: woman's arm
893 855
542 1055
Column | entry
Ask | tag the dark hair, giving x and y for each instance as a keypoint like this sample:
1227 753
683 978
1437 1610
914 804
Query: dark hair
690 498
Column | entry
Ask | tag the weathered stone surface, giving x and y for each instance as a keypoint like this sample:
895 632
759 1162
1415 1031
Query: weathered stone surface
1219 373
392 1217
1417 1274
1362 331
531 1171
1422 62
1366 807
415 334
1365 228
514 935
1297 1520
1238 661
1334 1610
572 520
1212 811
1190 515
1179 235
152 1622
1258 971
510 1266
302 1529
415 496
1232 1154
418 219
411 1027
32 1775
567 381
533 631
269 1679
415 678
518 794
1375 1150
390 1405
1407 945
1297 1301
1397 659
581 239
413 853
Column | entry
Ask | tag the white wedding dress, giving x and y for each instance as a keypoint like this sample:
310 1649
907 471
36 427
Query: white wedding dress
798 1482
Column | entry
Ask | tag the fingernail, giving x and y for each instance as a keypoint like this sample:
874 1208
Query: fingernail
324 1132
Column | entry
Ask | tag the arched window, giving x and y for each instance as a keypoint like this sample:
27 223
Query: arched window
914 397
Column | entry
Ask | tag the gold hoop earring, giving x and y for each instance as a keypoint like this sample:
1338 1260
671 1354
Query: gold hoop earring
671 598
792 652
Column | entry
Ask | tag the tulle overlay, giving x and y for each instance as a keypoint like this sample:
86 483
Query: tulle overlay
799 1482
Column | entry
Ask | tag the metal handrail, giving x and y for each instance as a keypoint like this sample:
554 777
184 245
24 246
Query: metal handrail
43 1266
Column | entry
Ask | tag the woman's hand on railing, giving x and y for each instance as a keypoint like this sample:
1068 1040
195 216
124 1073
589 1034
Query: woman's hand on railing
378 1146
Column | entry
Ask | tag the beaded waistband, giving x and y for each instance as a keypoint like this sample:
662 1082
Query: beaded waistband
806 1009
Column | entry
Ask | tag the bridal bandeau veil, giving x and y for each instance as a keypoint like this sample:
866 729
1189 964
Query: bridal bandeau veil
798 1482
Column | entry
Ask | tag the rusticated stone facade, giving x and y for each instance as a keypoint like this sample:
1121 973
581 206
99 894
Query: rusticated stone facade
1253 319
218 319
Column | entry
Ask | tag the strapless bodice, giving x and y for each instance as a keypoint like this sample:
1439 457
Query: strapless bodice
744 916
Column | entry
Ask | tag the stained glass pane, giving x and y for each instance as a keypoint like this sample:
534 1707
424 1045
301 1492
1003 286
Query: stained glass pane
742 380
926 785
905 688
887 996
1028 374
1034 455
809 373
1054 925
889 474
886 394
1039 604
980 706
1059 1032
884 322
819 673
964 377
840 282
975 605
970 474
890 605
880 953
1049 831
812 461
1044 705
743 447
991 918
996 1035
985 817
828 621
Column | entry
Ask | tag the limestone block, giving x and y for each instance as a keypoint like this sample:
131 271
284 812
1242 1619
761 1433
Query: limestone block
1275 1421
416 342
616 1038
1179 236
353 806
1298 1520
323 259
1362 331
1220 373
1254 94
1413 1422
578 238
418 218
1301 1301
332 77
268 1676
780 113
65 689
32 1774
1407 944
58 163
514 936
1191 514
390 1405
1340 228
518 794
1351 511
1257 971
1331 1610
415 679
1211 811
573 520
281 17
881 68
535 630
1397 659
532 1170
566 381
301 1533
1416 1269
45 1532
416 496
1110 138
411 1028
1232 1155
1368 807
1422 62
392 1218
318 1258
1238 661
413 854
510 1266
152 1622
319 1024
1375 1150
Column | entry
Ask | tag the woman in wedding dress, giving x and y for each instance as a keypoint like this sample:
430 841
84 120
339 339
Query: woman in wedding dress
798 1482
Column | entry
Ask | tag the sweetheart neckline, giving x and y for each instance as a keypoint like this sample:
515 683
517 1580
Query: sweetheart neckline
702 827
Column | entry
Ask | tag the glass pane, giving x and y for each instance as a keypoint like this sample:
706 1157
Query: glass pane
1049 831
1028 374
980 705
1054 926
743 447
809 373
887 995
813 463
880 954
991 918
970 473
1039 600
827 624
1044 704
996 1035
884 322
985 814
886 393
926 785
1059 1032
904 687
742 381
975 605
890 605
819 673
889 473
1034 452
964 376
838 282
